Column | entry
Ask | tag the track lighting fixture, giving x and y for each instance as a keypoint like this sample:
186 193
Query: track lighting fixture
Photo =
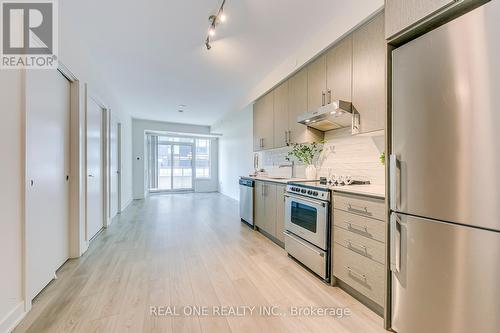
220 17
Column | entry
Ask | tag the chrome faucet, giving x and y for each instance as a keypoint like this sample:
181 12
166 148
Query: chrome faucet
292 165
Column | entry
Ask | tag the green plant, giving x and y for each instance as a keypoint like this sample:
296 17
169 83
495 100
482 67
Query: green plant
305 152
382 158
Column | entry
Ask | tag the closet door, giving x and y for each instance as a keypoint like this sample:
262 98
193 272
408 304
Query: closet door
95 185
47 171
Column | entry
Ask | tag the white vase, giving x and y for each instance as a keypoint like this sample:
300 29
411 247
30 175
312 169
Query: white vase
311 172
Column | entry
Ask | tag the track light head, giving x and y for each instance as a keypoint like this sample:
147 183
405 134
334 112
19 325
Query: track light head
220 17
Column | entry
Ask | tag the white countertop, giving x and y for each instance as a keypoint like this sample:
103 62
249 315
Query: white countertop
377 191
370 190
277 180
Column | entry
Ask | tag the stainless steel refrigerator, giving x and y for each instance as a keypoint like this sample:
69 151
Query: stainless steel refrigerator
445 178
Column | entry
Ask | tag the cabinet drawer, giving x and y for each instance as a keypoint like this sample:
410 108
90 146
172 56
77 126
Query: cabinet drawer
360 225
362 274
363 206
366 247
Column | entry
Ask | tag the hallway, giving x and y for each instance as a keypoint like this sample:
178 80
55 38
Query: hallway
186 250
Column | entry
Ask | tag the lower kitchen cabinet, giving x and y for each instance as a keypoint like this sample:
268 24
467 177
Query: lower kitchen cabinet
270 209
359 247
280 212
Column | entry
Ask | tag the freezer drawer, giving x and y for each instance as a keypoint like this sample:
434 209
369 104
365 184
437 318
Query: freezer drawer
445 277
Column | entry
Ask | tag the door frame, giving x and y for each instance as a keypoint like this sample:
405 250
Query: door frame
193 167
119 163
105 158
73 194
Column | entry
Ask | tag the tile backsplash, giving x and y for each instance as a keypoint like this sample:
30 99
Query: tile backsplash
343 154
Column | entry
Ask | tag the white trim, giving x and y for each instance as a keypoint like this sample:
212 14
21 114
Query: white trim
13 318
105 131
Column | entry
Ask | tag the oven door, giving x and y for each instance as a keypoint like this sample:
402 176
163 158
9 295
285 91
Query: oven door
308 219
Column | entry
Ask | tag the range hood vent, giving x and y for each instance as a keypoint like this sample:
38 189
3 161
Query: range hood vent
335 115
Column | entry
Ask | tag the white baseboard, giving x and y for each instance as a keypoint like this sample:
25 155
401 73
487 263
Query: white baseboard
12 319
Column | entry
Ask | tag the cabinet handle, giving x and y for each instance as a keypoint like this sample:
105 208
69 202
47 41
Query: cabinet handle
358 209
353 245
323 97
356 227
353 272
286 137
329 96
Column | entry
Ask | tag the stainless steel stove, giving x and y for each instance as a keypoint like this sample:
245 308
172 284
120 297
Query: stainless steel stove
307 224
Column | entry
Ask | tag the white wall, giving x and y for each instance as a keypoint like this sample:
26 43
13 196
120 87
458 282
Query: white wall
139 128
77 58
235 150
11 196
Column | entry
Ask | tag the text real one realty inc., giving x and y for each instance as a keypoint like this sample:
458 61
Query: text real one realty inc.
247 310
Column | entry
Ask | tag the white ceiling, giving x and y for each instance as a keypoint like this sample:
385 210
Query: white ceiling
152 55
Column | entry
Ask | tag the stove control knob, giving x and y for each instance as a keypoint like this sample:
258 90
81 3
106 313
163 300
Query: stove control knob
309 192
315 193
304 191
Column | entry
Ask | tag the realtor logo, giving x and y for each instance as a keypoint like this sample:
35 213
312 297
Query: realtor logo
29 34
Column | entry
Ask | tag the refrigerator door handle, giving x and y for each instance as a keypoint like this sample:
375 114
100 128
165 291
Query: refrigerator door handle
395 243
395 182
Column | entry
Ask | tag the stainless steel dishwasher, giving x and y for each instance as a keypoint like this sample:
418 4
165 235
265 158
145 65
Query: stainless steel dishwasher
246 200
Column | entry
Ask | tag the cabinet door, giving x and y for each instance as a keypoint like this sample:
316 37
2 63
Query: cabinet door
368 74
260 208
316 83
339 71
270 209
281 125
297 92
257 130
263 122
280 212
401 14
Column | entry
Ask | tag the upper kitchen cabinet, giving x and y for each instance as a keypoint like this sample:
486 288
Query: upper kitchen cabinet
369 74
403 14
281 126
316 83
263 122
297 92
339 71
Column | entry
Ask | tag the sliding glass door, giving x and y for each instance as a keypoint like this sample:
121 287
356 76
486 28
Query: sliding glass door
171 166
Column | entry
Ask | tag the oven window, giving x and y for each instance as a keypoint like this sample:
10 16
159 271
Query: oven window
304 216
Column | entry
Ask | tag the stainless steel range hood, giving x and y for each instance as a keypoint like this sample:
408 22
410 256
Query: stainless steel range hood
335 115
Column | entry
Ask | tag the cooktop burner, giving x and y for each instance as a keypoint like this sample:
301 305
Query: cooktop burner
318 189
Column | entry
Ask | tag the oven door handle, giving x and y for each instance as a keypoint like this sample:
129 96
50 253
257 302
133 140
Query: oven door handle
323 204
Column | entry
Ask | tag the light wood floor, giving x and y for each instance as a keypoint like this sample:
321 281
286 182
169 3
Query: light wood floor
186 250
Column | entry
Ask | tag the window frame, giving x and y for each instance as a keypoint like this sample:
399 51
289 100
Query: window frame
209 159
